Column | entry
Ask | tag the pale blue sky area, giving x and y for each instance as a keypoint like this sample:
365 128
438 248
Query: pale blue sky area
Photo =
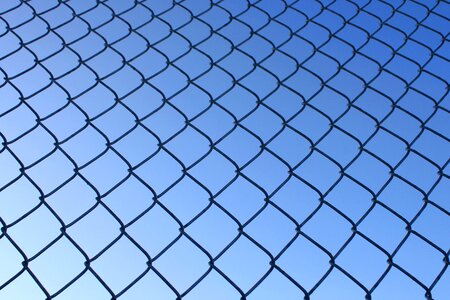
232 149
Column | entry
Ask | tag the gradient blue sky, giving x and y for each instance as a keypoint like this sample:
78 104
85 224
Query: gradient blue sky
119 103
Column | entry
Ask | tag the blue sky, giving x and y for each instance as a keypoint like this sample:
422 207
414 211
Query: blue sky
266 149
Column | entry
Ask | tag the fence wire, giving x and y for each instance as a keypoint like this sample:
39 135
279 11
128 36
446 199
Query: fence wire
345 100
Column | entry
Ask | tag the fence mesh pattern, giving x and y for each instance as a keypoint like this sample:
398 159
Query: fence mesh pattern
224 149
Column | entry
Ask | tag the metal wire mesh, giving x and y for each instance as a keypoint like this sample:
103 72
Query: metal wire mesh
345 100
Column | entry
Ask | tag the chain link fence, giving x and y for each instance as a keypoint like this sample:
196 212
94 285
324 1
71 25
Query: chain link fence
226 149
